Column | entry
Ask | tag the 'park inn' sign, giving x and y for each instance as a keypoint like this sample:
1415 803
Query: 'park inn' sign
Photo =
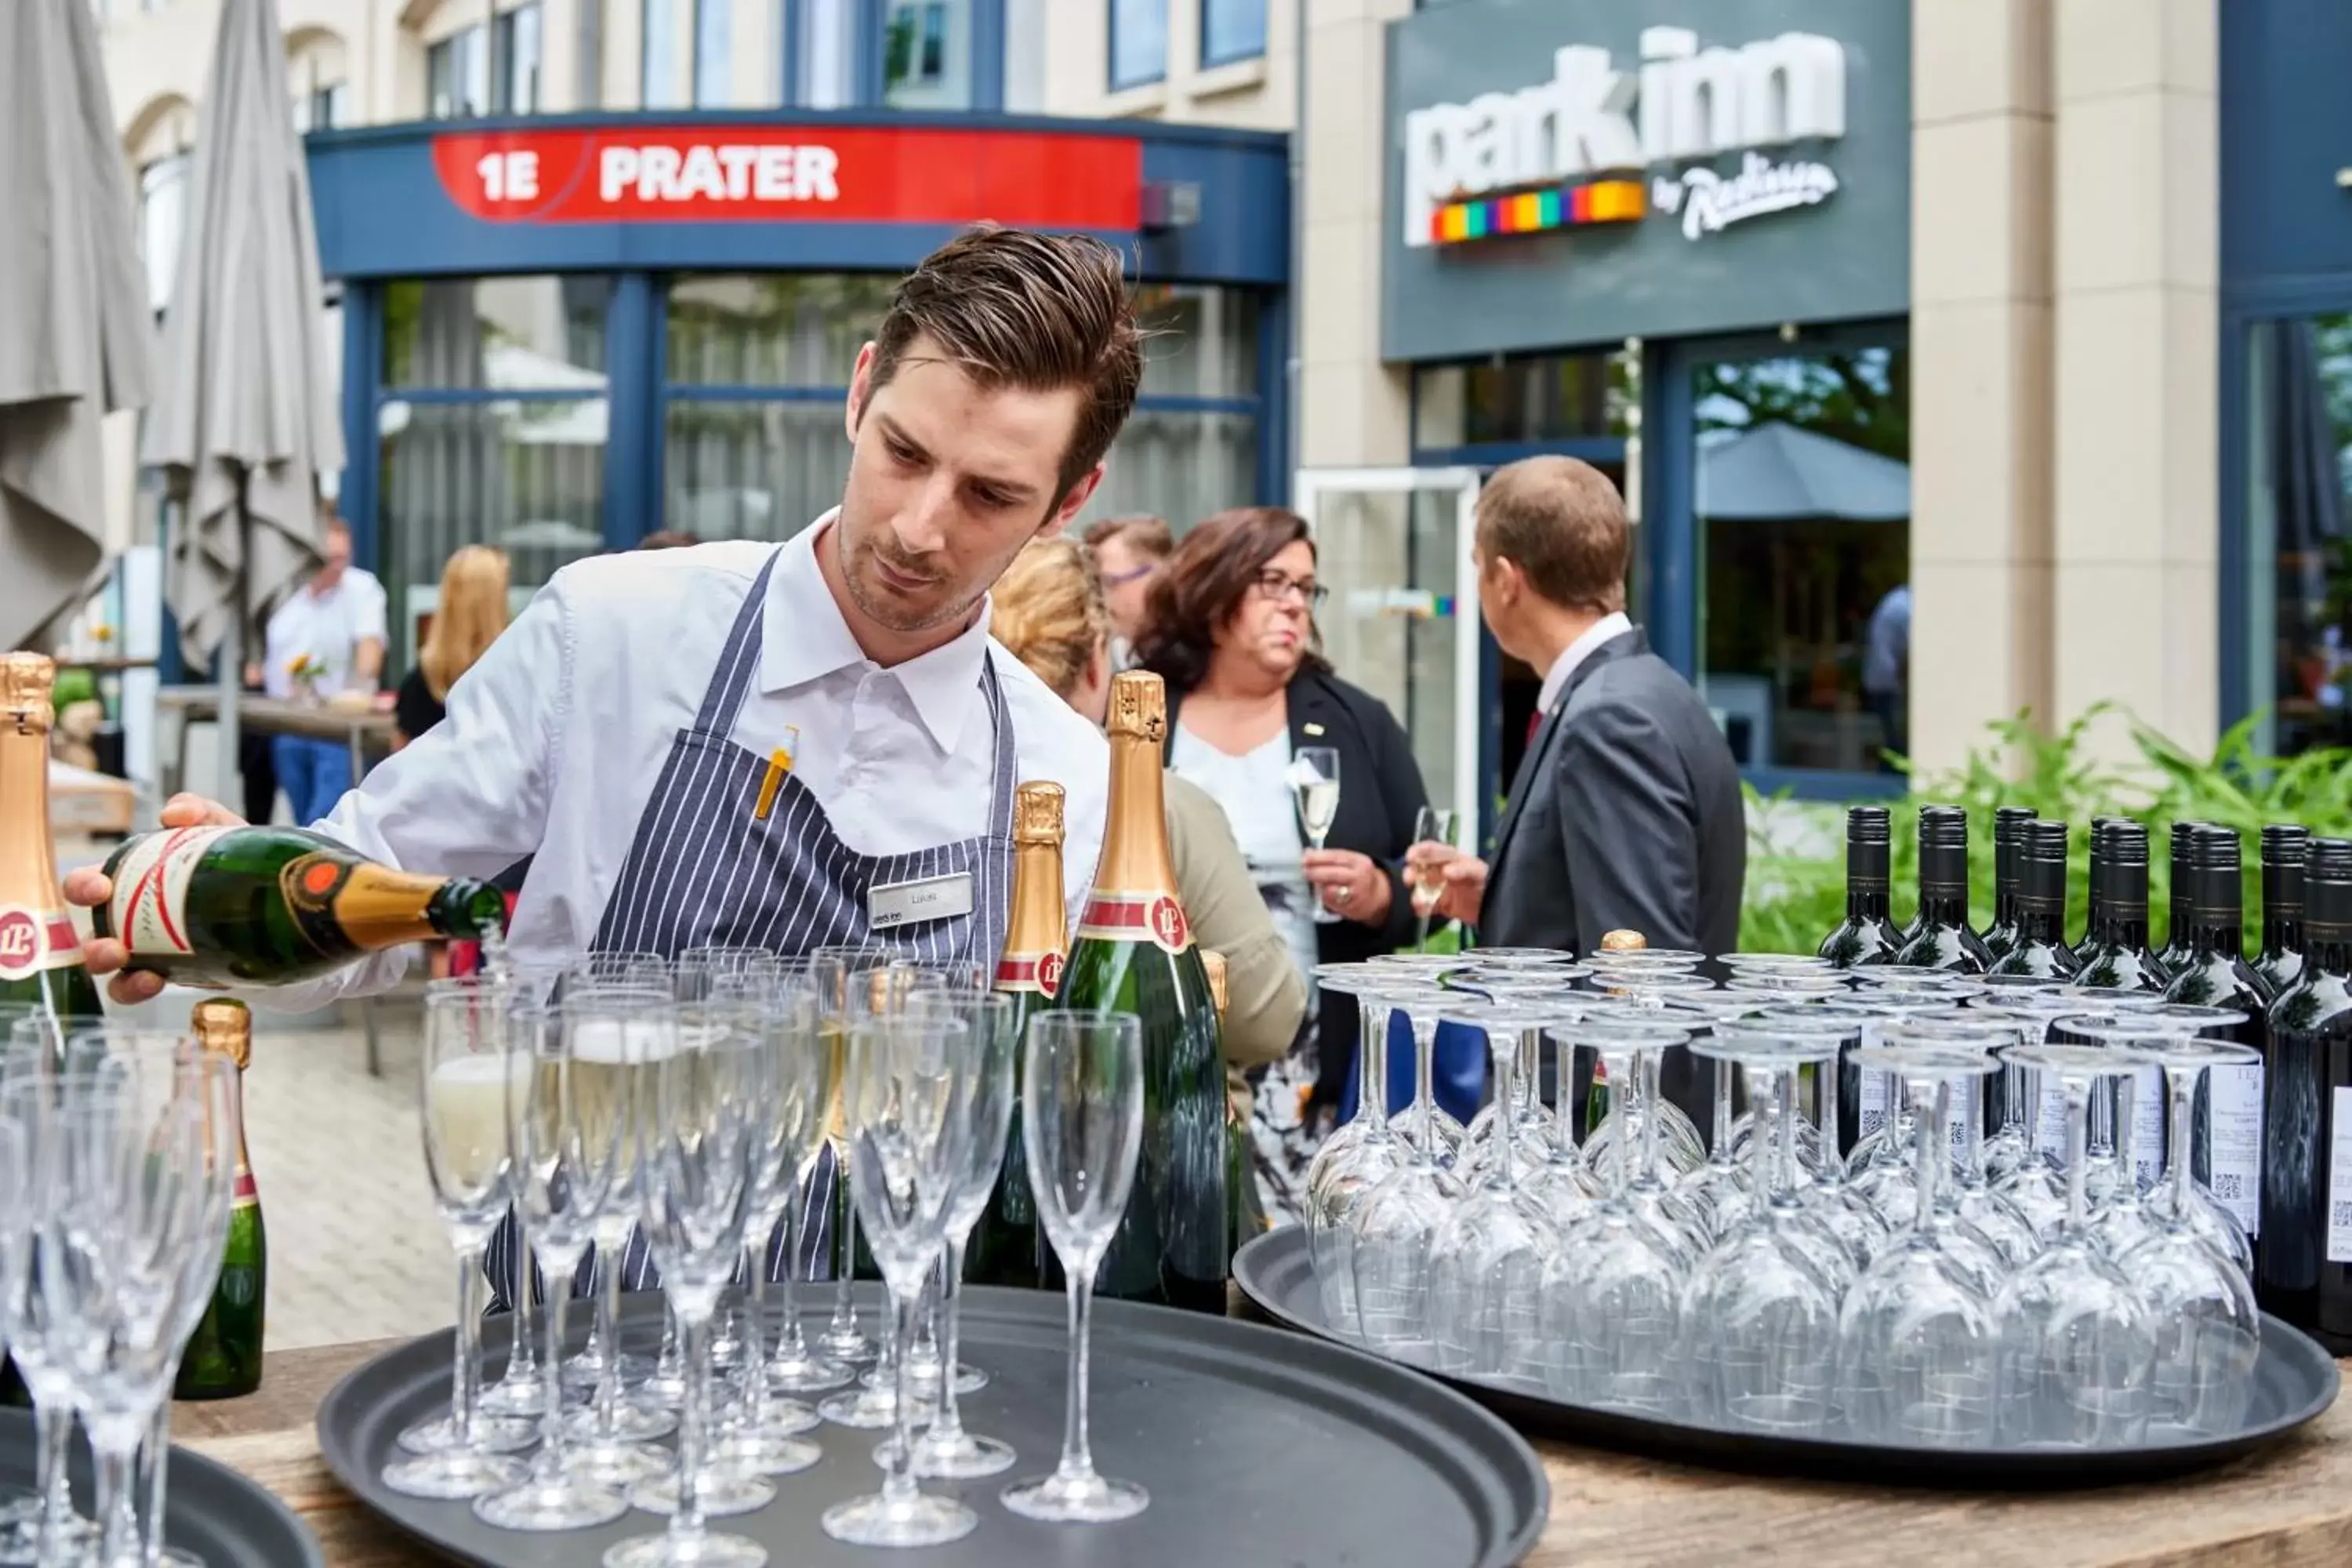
1597 144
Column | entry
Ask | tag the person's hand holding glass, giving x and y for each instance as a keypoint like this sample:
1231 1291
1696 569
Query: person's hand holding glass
1313 778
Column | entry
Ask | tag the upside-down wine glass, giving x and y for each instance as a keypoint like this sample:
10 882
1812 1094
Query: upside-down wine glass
2208 1215
1391 1229
462 1082
1082 1130
1486 1262
1357 1157
1834 1224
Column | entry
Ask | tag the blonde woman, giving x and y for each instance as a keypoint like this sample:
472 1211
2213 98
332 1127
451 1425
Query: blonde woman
468 619
1048 611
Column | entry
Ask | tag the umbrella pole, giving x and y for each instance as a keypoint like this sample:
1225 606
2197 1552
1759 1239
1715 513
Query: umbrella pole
231 792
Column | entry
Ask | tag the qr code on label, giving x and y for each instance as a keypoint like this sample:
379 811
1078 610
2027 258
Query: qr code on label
1871 1120
2339 1215
2229 1184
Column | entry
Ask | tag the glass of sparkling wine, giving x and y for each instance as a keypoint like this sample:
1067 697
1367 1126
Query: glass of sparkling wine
1314 781
1433 825
463 1079
1082 1122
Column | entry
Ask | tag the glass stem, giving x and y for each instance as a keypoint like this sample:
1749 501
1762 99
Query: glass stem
2183 1087
2078 1140
519 1353
2127 1173
1503 1045
550 1375
1784 1134
608 1329
1372 1049
1645 1070
949 1422
1563 1078
466 1377
1931 1104
1078 1459
845 1307
53 1434
1615 1070
1529 1082
1424 1086
1833 1163
1967 1173
114 1467
753 1371
899 1459
155 1459
790 1346
694 1424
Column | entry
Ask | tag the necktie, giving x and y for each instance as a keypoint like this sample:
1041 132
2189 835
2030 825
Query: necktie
1535 723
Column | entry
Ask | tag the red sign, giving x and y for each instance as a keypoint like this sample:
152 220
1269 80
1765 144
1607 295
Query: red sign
794 173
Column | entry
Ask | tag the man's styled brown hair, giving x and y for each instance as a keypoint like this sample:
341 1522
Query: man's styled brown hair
1563 524
1148 536
1035 312
1201 588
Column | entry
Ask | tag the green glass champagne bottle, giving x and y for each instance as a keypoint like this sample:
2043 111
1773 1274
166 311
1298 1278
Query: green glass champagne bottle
248 907
224 1355
40 951
1008 1248
1135 955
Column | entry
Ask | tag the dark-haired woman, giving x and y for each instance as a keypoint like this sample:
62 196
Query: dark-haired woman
1229 626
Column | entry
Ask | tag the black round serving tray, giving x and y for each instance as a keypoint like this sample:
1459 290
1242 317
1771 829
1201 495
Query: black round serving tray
208 1508
1246 1438
2295 1381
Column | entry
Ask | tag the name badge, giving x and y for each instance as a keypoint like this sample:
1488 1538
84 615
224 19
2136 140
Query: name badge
909 904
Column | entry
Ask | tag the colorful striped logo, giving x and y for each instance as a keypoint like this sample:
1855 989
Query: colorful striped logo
1533 212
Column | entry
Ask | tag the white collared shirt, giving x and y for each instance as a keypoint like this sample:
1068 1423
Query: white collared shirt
327 627
555 738
1555 681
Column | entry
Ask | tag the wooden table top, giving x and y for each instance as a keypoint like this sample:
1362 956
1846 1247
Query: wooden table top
2288 1507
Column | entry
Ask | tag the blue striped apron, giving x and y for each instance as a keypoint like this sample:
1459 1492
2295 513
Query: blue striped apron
706 871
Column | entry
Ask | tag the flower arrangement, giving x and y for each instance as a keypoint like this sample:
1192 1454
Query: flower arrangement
304 671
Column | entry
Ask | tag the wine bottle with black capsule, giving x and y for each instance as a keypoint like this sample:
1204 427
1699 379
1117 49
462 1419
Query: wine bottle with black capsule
1943 938
2303 1271
2228 1149
256 906
1008 1246
2174 950
222 1359
1867 934
1135 953
2114 952
2007 821
2038 903
2280 961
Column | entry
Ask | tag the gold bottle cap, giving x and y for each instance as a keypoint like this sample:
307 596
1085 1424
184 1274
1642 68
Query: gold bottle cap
26 680
1623 941
1037 815
1214 962
1139 706
224 1026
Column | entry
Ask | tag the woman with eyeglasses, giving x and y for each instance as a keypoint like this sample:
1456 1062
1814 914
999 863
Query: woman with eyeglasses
1229 626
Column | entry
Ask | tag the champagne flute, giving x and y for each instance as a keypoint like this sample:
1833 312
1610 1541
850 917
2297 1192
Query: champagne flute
910 1081
834 971
50 1529
1315 781
1082 1128
1430 824
462 1082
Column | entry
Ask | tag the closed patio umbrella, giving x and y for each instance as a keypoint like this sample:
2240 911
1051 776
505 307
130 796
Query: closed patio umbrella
74 329
244 417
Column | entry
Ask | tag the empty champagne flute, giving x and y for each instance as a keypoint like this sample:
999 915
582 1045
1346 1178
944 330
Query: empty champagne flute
562 1132
1313 777
464 1067
51 1530
906 1101
699 1085
1082 1130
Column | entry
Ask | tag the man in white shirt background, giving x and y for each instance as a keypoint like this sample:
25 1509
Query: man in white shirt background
327 637
801 745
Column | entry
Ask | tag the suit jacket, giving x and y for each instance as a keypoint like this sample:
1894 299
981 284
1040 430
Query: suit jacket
1380 795
1626 814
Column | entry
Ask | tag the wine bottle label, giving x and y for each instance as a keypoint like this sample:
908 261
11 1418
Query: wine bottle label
339 903
1156 918
1039 971
2147 1117
2235 1163
149 908
2339 1181
34 939
1873 1108
246 1194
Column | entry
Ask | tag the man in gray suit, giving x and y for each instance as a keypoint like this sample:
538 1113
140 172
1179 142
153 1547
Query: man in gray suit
1626 812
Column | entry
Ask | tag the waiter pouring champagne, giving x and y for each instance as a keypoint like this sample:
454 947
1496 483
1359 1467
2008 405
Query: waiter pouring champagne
631 733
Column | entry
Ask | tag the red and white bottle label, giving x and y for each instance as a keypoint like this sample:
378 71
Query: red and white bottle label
149 909
1039 971
34 939
1156 918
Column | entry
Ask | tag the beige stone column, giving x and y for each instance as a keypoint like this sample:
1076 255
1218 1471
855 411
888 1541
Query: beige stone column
2137 206
1980 371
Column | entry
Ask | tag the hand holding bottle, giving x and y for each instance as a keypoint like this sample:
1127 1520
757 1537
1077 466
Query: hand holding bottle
90 887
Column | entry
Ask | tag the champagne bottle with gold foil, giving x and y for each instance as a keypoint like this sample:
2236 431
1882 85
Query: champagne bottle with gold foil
1135 955
40 951
224 1356
274 906
1240 1178
1008 1246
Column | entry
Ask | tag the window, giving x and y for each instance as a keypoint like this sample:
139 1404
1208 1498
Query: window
713 56
162 220
661 83
1232 30
2299 497
323 108
1025 57
1802 491
926 54
457 76
1539 397
515 458
827 54
1138 42
518 60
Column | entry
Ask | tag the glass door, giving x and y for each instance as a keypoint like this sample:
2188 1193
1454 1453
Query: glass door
1393 547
